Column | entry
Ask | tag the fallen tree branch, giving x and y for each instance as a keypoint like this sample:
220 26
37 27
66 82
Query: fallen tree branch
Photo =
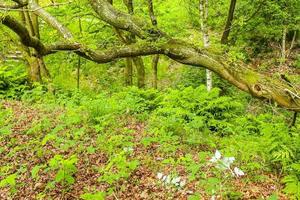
243 77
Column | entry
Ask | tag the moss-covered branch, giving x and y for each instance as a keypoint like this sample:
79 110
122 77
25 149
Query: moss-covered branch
243 77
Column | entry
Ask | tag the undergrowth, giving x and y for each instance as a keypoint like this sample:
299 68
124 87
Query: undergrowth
182 130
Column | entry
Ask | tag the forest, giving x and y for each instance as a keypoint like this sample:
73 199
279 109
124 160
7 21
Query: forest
149 99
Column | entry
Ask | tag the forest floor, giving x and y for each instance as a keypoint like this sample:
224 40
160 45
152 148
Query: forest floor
34 134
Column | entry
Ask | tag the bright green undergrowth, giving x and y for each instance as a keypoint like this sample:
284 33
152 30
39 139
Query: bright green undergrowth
188 120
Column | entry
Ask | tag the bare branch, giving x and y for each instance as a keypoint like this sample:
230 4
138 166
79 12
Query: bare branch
49 19
19 4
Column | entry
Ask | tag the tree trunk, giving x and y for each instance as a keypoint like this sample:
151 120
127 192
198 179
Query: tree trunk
203 7
292 44
154 41
155 58
283 46
35 61
128 72
137 61
140 68
228 25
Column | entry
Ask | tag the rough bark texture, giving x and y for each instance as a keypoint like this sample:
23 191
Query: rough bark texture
243 77
155 58
128 72
228 22
137 61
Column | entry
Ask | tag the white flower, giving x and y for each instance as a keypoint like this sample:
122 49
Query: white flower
168 180
159 175
238 172
164 178
128 149
227 161
182 183
176 180
216 157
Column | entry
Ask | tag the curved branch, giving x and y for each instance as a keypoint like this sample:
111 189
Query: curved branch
244 78
19 4
24 34
49 19
124 21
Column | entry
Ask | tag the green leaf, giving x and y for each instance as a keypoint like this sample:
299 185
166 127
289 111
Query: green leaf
95 196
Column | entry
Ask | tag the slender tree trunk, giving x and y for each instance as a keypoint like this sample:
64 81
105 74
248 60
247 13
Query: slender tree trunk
128 72
79 58
294 119
36 31
44 71
203 7
292 44
155 58
283 46
228 25
140 68
138 61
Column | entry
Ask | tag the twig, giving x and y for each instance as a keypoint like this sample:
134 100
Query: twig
33 10
292 44
293 122
115 196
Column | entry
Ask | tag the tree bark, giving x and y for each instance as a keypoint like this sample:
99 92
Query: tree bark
137 61
229 21
155 41
203 8
128 72
283 46
155 58
34 71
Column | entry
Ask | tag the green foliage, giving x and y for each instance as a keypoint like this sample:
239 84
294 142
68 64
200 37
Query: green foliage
9 181
184 112
35 171
292 181
118 167
13 81
5 125
113 131
65 169
93 196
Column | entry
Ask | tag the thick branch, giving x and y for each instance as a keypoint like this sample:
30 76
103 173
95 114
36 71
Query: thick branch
50 20
245 78
124 21
23 33
19 4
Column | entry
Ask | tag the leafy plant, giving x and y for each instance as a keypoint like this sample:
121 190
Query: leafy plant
93 196
9 181
65 169
117 168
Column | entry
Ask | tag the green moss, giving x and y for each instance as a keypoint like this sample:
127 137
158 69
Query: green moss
251 77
